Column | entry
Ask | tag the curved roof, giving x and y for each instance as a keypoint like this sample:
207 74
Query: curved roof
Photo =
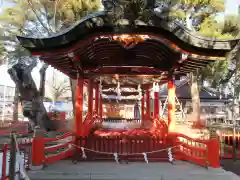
99 23
89 48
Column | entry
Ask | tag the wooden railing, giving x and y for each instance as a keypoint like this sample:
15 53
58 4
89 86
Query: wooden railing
49 150
198 151
19 127
89 122
127 148
26 154
228 146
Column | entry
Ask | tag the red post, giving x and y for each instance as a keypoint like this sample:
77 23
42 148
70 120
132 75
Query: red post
38 146
97 99
100 107
171 103
90 98
213 153
78 121
156 102
4 161
142 107
148 110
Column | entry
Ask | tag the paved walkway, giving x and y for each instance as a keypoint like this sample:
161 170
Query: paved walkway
65 170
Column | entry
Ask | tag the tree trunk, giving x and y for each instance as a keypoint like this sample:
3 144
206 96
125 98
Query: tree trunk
15 104
195 98
73 84
31 98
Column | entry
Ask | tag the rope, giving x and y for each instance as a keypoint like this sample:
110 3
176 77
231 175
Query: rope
169 149
124 154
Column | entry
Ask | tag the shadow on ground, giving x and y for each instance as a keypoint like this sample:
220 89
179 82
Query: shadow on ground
230 165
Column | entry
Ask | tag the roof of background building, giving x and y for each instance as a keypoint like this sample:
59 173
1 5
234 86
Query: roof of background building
183 91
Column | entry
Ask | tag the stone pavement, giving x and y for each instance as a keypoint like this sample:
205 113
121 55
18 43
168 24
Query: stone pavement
66 170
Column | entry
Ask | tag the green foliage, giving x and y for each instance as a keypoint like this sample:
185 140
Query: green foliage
41 18
50 15
212 29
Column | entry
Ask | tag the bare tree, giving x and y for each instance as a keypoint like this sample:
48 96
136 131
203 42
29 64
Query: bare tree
59 86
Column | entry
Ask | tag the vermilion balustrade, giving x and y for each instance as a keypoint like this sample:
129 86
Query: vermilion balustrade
50 150
202 152
227 145
19 127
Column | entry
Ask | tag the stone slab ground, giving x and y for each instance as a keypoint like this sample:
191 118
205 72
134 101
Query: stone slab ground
66 170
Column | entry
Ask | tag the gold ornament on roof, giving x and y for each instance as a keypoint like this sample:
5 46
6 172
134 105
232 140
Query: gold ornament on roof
129 40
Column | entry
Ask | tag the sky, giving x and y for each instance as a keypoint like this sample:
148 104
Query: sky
231 6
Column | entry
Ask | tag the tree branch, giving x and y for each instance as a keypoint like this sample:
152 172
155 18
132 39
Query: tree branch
38 18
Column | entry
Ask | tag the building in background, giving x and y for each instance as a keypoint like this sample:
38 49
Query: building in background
7 92
213 105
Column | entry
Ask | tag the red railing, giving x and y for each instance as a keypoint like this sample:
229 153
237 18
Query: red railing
198 151
50 150
19 127
127 148
227 145
89 122
25 149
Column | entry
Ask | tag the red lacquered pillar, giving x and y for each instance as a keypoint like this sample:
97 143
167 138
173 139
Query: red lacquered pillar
100 107
90 98
213 153
38 146
97 99
148 110
156 101
171 103
142 107
78 121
